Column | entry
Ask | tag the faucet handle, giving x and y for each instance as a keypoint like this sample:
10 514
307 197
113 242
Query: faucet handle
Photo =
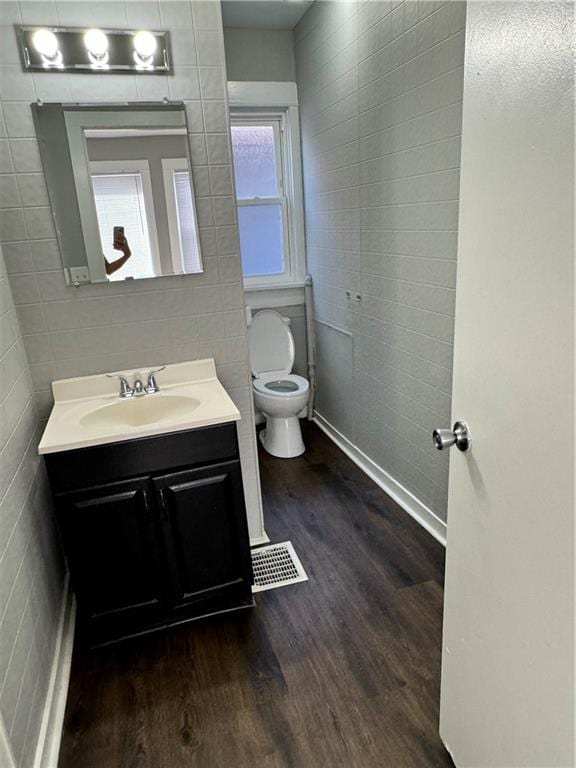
152 385
125 388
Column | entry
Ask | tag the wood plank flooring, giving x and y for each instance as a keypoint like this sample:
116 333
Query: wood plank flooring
341 671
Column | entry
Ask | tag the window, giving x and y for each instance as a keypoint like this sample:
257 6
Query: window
181 215
123 197
261 202
269 208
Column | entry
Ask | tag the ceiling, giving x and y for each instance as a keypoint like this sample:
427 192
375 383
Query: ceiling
264 14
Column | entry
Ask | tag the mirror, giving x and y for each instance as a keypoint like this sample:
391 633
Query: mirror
120 185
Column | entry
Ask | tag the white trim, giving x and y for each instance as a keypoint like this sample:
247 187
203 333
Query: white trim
291 179
292 150
264 297
129 133
251 93
48 745
402 496
257 102
169 167
248 201
172 213
257 541
284 197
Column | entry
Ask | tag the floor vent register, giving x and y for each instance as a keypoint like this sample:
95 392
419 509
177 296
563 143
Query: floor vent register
276 565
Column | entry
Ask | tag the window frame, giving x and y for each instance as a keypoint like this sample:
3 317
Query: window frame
289 173
118 167
171 165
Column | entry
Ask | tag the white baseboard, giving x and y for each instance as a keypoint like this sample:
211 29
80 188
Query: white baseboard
50 735
257 541
402 496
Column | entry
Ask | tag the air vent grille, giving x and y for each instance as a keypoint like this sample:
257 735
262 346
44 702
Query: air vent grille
276 565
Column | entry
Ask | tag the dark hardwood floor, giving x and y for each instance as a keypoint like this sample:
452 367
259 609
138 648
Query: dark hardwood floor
340 671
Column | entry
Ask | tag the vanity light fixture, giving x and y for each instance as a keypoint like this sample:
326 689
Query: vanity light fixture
96 44
145 45
46 44
89 49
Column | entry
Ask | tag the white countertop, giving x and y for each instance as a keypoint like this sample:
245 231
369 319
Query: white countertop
84 408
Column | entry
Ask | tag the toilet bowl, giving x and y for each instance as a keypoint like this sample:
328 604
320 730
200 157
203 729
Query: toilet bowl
278 394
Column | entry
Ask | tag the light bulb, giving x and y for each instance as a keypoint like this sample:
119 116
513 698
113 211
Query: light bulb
145 44
96 42
46 43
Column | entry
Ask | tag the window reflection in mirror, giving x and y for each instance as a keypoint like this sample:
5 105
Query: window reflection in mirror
127 168
141 185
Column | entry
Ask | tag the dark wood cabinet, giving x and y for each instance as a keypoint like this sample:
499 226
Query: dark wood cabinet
110 540
200 518
164 546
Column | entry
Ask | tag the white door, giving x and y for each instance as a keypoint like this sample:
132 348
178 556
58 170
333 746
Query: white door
508 671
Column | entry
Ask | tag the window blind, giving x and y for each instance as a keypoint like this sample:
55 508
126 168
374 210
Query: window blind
186 222
119 199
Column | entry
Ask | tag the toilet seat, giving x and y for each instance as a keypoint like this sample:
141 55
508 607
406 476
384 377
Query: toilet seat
281 385
271 345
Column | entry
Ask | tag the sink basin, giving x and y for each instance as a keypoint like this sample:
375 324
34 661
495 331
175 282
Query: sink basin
87 410
141 411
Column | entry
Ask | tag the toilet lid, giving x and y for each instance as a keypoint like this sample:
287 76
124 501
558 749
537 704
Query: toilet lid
270 343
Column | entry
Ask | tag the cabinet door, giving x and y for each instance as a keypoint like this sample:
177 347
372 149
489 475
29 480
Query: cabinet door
205 533
110 543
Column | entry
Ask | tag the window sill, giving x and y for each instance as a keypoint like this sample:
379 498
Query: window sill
279 295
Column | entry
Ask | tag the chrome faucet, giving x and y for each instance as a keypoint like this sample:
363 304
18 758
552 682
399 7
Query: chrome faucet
152 384
125 388
138 388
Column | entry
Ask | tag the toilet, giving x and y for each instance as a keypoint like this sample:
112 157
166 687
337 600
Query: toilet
279 394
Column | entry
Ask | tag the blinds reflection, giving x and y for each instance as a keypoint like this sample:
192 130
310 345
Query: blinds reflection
186 222
120 202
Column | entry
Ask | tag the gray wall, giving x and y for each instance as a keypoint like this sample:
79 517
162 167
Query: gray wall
260 54
154 149
380 90
98 328
31 568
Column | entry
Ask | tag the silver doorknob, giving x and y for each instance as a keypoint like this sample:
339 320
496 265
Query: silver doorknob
458 436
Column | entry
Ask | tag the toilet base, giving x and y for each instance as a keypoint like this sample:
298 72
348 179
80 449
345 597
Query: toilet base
282 437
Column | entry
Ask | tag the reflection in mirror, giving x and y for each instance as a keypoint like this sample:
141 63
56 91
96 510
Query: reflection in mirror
127 169
143 197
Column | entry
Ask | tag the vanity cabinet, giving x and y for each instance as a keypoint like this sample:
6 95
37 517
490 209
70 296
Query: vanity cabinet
109 536
201 515
154 530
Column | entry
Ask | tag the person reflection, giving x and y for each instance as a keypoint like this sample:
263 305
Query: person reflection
120 244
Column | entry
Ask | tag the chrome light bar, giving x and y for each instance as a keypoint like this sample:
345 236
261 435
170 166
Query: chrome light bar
101 51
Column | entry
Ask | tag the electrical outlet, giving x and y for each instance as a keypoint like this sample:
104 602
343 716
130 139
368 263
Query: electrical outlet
79 275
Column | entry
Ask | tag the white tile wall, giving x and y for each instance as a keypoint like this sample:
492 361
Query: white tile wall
97 328
31 568
380 89
55 331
